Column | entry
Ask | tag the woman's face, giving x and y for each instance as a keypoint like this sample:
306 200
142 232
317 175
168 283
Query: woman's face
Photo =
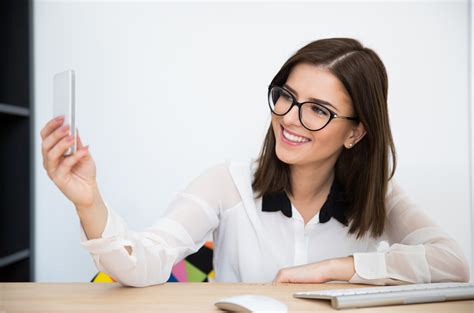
307 82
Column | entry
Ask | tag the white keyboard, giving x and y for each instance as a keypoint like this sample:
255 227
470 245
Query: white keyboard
392 295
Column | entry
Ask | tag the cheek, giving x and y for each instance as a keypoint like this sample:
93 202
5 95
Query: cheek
276 125
330 140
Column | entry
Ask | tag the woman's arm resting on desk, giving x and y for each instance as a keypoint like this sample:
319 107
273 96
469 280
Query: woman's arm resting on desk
319 272
420 252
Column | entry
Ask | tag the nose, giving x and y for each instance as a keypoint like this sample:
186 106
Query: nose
292 117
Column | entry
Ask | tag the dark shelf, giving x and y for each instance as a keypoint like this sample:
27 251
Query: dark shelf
15 51
16 141
14 184
14 257
13 110
16 272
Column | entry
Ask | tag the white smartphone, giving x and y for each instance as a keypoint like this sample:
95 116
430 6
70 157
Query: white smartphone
64 103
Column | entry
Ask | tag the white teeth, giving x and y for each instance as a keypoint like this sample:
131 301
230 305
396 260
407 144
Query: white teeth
294 138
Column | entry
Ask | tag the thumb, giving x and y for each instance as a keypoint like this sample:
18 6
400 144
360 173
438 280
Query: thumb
79 141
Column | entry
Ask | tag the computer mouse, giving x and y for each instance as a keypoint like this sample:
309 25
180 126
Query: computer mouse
251 303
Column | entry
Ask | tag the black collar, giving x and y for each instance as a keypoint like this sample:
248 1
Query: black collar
334 206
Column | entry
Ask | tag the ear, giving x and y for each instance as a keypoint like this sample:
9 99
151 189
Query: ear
355 135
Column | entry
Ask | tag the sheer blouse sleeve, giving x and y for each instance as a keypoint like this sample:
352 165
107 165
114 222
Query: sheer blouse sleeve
419 252
188 222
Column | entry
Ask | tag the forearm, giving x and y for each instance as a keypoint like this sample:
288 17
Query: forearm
319 272
341 268
94 218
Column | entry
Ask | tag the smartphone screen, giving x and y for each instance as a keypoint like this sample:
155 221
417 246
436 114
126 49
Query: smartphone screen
64 103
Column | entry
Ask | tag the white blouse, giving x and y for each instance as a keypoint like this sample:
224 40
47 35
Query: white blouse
251 245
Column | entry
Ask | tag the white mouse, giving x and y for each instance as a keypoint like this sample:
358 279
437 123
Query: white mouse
251 303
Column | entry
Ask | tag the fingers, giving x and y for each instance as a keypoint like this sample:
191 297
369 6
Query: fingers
53 138
281 276
68 163
53 155
51 126
50 143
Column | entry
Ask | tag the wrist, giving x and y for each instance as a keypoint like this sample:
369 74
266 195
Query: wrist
97 204
93 217
341 268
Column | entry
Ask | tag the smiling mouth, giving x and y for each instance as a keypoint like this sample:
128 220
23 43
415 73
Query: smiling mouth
292 138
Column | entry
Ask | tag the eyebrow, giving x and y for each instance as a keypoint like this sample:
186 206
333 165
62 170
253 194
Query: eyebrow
312 99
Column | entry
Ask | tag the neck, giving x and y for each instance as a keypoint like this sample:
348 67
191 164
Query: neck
308 181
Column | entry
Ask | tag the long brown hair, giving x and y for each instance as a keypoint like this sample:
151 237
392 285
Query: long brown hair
362 171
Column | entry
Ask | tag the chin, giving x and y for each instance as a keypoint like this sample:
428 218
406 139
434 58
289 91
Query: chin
286 156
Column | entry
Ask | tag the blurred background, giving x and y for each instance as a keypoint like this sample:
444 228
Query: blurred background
165 90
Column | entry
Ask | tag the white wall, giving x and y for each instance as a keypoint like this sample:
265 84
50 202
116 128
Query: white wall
471 139
166 90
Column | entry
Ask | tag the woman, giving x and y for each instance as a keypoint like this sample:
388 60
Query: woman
313 208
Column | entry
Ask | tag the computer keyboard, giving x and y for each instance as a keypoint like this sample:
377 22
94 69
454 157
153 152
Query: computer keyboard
392 295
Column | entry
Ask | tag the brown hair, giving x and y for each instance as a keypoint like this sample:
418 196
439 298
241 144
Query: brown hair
363 171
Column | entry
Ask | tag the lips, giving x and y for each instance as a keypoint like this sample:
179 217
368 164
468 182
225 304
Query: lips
293 138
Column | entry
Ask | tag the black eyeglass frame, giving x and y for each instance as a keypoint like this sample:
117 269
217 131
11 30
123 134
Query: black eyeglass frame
332 115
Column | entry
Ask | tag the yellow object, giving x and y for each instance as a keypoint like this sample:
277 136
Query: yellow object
102 278
211 275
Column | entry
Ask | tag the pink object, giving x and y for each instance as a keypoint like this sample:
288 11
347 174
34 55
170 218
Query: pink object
179 272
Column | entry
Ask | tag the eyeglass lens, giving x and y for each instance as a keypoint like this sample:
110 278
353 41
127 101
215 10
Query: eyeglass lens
313 116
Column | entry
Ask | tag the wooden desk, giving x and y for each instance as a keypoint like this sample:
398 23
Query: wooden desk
176 297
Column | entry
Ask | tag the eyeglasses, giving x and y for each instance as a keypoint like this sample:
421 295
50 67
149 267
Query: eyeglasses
313 116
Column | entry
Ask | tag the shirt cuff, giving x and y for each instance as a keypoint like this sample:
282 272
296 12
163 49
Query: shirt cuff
112 238
370 268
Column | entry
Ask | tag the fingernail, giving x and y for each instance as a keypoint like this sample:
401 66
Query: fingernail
64 127
69 138
58 118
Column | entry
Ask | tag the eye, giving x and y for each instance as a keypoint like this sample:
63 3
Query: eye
319 110
286 97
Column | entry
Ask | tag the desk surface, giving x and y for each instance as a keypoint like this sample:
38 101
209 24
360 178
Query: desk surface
177 297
